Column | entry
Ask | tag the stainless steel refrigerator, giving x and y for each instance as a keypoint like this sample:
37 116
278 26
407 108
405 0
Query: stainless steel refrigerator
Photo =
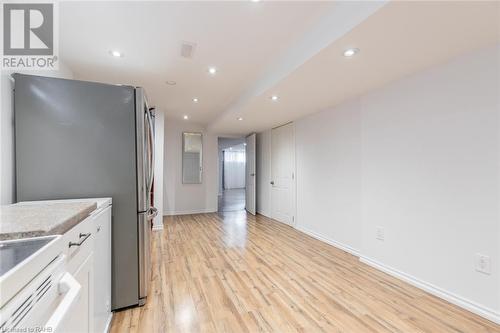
77 139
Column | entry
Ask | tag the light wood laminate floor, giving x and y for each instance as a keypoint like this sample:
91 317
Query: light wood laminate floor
233 272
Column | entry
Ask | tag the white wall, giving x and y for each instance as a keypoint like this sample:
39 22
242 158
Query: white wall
328 175
182 198
7 149
263 173
419 157
430 173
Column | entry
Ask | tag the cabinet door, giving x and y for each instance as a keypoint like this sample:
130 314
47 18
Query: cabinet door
102 270
80 318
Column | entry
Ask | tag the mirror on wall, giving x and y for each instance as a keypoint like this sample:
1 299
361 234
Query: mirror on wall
192 164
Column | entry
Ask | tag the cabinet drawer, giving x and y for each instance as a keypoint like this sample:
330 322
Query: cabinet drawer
79 243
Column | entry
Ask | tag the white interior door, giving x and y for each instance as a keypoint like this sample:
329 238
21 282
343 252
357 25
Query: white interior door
250 191
283 174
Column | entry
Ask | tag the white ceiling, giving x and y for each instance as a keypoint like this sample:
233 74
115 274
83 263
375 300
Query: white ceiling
239 38
399 39
292 49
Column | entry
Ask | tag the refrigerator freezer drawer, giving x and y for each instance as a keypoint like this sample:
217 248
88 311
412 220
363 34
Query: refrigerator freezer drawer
144 227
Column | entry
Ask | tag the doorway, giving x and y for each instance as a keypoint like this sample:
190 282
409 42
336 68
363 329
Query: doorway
232 164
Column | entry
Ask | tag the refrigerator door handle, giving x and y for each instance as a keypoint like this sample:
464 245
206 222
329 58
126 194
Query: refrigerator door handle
151 148
153 212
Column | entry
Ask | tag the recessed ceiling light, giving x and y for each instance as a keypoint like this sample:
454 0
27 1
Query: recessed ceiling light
240 118
350 52
171 83
195 100
255 0
244 144
185 117
274 98
212 70
116 54
230 148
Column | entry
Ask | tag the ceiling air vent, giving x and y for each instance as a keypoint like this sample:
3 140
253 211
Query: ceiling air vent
187 49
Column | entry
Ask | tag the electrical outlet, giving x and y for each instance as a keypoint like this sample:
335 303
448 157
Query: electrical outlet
483 263
380 233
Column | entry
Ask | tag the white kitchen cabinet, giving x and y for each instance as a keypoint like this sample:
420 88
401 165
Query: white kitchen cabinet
80 318
102 269
89 261
84 253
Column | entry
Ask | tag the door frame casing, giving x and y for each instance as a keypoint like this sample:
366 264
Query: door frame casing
254 179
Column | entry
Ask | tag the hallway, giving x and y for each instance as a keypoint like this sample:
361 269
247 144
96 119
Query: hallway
232 200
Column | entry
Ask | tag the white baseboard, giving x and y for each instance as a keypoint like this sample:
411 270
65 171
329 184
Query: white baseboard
266 214
469 305
188 212
327 240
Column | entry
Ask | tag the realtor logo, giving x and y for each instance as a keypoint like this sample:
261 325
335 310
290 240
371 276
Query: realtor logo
29 36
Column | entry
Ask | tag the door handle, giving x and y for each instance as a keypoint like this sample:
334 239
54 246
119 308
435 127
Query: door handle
84 236
153 212
252 174
272 182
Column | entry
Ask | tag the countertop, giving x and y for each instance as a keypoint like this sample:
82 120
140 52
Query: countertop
33 219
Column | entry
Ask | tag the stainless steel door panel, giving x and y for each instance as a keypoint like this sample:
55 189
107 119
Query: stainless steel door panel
145 224
76 139
145 161
142 166
144 255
